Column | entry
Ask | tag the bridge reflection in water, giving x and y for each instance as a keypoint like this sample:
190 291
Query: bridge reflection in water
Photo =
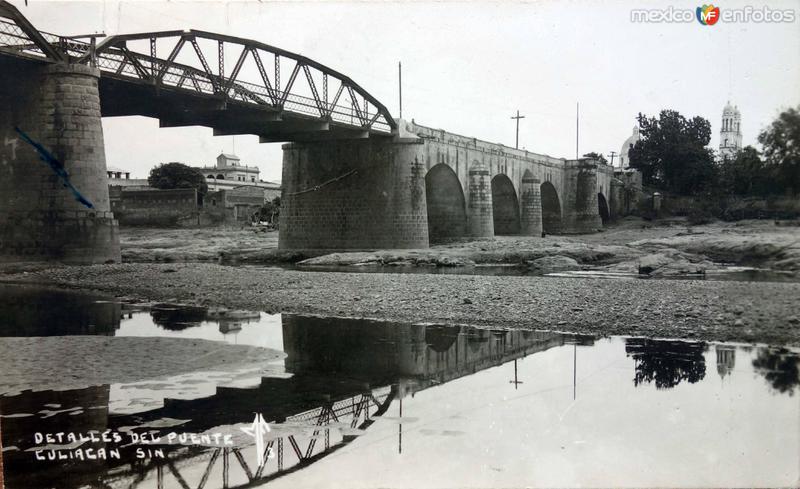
343 374
344 380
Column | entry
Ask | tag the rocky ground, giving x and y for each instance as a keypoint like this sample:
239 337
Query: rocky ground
662 248
210 244
700 309
657 248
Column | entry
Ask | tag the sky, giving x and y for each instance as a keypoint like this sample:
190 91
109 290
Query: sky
468 67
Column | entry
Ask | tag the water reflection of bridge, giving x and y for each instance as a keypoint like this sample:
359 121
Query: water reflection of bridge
349 371
421 355
29 311
344 374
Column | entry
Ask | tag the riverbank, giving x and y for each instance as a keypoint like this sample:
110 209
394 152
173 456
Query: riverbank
763 312
666 247
189 266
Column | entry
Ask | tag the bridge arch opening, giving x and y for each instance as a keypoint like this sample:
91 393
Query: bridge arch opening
440 338
220 177
551 209
602 207
505 206
447 214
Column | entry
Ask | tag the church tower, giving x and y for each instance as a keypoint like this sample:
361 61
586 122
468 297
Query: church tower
726 360
730 136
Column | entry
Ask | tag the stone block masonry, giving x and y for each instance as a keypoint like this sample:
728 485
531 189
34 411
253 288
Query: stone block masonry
429 185
531 207
581 213
57 106
353 194
481 223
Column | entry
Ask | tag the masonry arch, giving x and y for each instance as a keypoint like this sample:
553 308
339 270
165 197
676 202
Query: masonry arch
447 214
220 177
210 176
505 206
440 338
551 209
602 208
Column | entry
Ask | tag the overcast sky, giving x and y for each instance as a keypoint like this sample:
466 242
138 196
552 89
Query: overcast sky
467 67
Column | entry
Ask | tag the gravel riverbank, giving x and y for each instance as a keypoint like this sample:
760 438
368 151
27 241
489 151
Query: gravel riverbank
702 309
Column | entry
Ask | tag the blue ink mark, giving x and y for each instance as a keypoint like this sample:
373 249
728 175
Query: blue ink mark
56 166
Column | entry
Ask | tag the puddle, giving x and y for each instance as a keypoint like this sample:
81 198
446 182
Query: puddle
725 273
357 403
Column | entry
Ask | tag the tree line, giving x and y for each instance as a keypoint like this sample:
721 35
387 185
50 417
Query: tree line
673 156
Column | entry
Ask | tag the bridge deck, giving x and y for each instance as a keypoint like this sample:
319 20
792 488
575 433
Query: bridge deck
196 85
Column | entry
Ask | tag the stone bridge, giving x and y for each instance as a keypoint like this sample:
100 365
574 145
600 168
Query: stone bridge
426 186
353 176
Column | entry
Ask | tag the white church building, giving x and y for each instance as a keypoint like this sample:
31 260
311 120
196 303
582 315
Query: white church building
626 147
730 135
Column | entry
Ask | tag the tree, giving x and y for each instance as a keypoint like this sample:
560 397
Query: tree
598 156
672 153
781 141
666 363
270 211
746 174
780 367
177 175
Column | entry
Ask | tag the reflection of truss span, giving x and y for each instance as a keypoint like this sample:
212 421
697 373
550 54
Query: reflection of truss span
288 453
226 69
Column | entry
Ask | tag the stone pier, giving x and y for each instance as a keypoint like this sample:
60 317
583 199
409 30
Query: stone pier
353 194
581 214
479 209
58 107
531 206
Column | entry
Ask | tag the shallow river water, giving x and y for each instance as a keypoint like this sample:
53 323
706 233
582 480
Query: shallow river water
356 403
722 273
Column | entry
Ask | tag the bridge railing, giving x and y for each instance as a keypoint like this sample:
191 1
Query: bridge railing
14 39
290 451
180 76
306 92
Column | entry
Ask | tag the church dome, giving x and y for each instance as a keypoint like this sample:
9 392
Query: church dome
627 145
730 110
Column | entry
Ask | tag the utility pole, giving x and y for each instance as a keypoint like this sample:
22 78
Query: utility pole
612 155
400 85
516 382
400 429
577 127
517 117
574 368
